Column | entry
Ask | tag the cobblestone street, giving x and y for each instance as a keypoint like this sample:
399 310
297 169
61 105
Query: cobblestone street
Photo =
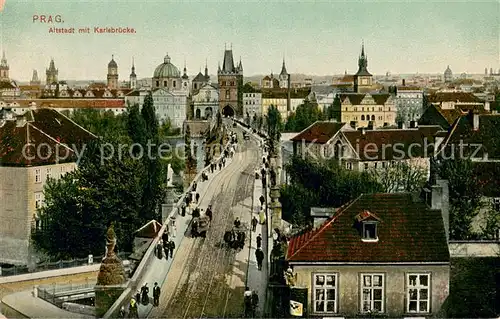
207 278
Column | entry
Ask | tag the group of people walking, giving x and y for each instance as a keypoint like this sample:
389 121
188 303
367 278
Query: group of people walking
141 298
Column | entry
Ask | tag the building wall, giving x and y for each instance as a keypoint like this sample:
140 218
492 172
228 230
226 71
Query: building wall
206 100
20 190
252 104
383 113
395 281
409 105
229 83
279 103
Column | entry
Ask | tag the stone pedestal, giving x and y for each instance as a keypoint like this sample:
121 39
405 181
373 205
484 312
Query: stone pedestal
170 201
105 297
275 208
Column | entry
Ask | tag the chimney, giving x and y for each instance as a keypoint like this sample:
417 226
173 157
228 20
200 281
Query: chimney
413 124
320 215
475 121
440 200
404 83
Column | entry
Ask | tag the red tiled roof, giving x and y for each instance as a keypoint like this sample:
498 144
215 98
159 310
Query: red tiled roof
377 145
408 231
319 132
453 97
42 126
72 103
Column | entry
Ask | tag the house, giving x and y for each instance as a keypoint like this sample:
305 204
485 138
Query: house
367 149
205 101
365 108
279 98
380 253
409 103
20 106
39 145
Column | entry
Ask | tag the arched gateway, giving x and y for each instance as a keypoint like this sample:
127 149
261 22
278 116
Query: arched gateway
228 111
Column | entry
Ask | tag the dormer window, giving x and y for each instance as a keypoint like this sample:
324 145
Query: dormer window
367 224
370 231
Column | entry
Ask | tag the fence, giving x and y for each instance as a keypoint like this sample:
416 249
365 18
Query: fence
57 294
61 264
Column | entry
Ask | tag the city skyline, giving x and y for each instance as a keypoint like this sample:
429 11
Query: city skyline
314 38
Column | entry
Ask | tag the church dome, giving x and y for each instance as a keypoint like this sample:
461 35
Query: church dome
166 70
112 63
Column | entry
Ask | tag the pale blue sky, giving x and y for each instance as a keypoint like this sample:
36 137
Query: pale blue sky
316 37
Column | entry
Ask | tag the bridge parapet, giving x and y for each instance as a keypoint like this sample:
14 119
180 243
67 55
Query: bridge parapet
141 270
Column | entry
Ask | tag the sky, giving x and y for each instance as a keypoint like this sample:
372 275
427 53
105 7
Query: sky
314 37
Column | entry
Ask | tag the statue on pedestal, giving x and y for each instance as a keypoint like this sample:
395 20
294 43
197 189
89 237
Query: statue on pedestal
112 271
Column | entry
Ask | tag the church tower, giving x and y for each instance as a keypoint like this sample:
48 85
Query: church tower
34 79
283 77
362 78
185 79
133 77
4 69
112 74
51 73
230 79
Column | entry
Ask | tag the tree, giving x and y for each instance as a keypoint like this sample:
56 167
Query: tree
136 127
323 184
306 114
464 194
274 125
400 177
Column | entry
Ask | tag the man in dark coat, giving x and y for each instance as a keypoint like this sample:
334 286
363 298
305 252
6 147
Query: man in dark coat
209 212
259 255
171 247
156 295
144 294
237 222
165 249
164 237
197 198
183 210
262 199
259 241
159 250
254 223
255 302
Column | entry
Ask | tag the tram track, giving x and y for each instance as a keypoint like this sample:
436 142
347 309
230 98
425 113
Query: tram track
209 270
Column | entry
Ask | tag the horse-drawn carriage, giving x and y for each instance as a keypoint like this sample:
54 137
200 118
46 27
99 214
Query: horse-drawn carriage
235 238
200 225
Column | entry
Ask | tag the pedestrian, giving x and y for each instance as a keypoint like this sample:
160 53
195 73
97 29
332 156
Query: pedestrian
137 296
255 303
211 167
209 212
132 310
174 230
196 212
259 255
145 292
262 217
171 247
259 241
220 165
183 210
122 312
247 295
237 222
156 295
197 198
159 250
165 249
254 223
164 237
262 200
194 186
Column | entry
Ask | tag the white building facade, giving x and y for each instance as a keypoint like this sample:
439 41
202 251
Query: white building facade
205 102
409 104
252 104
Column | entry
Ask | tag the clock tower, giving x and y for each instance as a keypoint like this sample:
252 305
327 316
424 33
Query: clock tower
362 78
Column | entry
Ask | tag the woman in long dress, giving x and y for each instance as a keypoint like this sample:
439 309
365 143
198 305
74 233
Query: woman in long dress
262 217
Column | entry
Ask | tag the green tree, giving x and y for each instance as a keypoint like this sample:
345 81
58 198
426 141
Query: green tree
323 184
274 125
105 124
465 195
136 127
306 114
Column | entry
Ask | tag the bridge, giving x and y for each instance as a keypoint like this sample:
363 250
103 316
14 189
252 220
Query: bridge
205 278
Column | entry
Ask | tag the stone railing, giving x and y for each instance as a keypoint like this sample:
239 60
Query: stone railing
141 270
476 248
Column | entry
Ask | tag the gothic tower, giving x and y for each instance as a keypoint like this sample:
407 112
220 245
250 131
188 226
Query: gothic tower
51 73
185 79
133 77
112 74
362 78
4 69
283 77
34 79
230 82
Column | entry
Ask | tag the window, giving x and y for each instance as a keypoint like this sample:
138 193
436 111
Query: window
38 200
369 229
325 293
417 294
227 94
362 117
373 117
366 166
158 83
348 166
375 165
372 293
38 176
175 83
